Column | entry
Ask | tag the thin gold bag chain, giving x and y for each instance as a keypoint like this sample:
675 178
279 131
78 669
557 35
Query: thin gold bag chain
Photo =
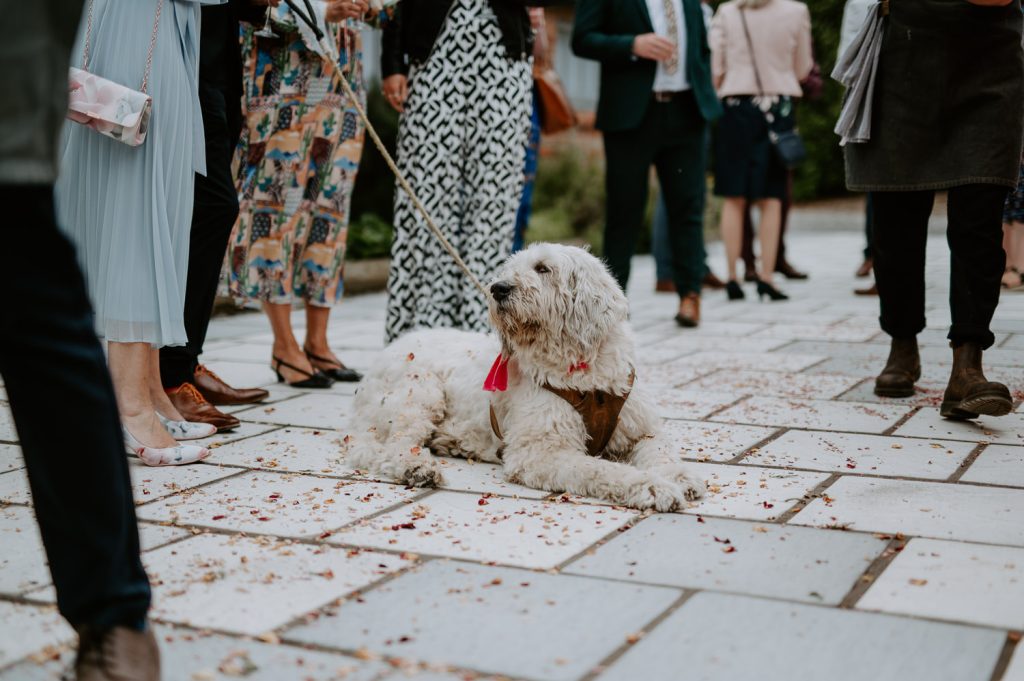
152 42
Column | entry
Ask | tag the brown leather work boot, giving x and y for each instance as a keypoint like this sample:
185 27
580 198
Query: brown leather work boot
689 311
117 654
901 371
194 407
969 394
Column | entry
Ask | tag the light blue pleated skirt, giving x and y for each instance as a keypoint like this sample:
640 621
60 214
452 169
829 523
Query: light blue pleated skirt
129 209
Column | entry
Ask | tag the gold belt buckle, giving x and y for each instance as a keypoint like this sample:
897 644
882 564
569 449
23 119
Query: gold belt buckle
662 97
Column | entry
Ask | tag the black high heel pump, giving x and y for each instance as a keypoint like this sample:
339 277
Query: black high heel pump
734 291
312 380
766 289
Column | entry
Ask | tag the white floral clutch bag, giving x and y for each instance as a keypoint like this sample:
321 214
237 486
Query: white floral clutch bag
110 108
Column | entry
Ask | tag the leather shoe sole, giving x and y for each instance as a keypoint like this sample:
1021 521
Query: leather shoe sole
988 402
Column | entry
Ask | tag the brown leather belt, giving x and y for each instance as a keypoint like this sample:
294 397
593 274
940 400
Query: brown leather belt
664 97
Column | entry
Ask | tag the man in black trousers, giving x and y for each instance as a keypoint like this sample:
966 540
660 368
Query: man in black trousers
655 103
54 369
193 389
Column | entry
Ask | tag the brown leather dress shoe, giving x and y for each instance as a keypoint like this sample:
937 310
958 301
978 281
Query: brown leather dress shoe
117 654
665 286
216 391
869 291
712 282
194 407
865 268
689 311
901 371
969 394
790 272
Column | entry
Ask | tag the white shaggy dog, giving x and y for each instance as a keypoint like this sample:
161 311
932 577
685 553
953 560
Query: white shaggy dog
561 323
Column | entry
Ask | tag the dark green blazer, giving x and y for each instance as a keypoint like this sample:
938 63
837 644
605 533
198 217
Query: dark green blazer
605 30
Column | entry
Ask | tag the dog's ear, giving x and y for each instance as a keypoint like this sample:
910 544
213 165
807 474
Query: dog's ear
596 306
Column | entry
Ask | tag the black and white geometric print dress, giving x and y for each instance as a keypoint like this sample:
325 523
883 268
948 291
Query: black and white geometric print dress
461 145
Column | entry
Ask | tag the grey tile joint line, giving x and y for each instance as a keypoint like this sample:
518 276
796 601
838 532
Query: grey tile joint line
779 432
1003 661
608 661
968 461
852 388
621 529
900 421
809 496
732 404
871 573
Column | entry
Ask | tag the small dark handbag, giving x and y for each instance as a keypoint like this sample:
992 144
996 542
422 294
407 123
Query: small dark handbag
788 144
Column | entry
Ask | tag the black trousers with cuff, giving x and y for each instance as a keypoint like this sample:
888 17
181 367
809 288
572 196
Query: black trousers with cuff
975 237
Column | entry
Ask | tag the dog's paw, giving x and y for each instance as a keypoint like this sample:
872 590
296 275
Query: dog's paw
657 493
422 475
693 486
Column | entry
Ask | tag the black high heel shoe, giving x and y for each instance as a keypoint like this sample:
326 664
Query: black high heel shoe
734 291
334 369
313 380
766 289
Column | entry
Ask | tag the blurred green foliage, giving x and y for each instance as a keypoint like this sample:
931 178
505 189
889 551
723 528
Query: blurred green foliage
823 173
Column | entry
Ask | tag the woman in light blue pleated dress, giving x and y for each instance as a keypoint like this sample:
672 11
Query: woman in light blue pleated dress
128 209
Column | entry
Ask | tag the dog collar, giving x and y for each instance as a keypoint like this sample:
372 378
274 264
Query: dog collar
497 377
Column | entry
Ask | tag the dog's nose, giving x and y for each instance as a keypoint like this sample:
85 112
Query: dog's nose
501 290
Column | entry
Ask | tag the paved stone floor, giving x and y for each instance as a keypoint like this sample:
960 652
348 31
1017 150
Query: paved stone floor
843 536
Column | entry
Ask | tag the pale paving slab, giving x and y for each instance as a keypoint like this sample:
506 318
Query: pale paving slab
520 532
1015 672
483 478
7 430
815 332
244 374
763 383
676 346
956 581
813 414
863 454
1006 430
928 509
280 504
692 404
27 629
712 441
718 637
22 558
562 626
309 410
998 465
243 431
750 492
250 585
10 458
297 450
190 655
148 482
751 361
793 563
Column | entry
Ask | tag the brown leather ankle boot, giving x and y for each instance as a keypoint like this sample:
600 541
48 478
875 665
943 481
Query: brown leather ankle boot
969 394
901 371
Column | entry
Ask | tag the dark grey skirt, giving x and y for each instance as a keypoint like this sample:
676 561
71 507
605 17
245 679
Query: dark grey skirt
949 101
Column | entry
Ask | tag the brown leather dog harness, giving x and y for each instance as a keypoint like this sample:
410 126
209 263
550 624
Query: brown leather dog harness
599 410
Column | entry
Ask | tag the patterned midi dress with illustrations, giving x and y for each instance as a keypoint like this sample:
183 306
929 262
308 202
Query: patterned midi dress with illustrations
297 164
462 144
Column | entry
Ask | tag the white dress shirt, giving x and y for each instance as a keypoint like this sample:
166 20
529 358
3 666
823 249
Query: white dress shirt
665 82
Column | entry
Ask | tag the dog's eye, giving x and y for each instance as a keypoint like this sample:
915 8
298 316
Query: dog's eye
541 268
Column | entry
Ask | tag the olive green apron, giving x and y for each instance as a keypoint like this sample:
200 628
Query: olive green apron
948 108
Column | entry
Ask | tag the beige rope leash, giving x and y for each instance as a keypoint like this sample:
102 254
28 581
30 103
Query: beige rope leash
329 48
